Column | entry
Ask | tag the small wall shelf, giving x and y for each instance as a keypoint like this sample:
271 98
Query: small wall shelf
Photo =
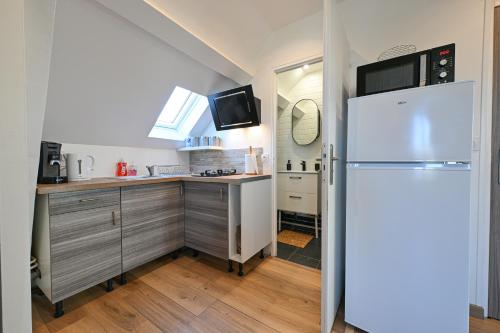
200 148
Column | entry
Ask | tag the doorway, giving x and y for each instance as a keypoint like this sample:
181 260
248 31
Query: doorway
298 157
494 271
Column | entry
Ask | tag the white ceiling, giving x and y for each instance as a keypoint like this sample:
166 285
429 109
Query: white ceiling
279 13
236 28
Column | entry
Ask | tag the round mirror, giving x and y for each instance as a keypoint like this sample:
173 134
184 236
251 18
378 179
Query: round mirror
305 122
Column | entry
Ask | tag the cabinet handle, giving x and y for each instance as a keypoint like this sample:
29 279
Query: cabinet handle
295 177
88 200
113 215
182 190
221 194
295 197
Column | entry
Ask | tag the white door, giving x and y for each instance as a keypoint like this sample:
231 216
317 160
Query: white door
334 122
407 248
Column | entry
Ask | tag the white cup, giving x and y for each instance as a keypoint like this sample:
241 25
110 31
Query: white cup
79 166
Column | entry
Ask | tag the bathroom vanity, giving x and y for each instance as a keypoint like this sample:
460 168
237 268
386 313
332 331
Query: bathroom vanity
299 192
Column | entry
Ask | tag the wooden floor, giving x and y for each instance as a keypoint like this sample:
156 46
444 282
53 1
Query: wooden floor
198 295
194 295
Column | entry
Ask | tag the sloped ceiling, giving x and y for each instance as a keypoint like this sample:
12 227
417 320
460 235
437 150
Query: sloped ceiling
109 79
236 28
289 79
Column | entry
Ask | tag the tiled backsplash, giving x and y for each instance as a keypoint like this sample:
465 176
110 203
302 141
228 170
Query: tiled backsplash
202 160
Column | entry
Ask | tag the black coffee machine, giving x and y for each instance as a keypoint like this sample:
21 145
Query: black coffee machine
49 168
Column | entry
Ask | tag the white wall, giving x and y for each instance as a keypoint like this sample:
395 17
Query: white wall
23 25
106 157
291 44
375 26
110 79
309 86
39 25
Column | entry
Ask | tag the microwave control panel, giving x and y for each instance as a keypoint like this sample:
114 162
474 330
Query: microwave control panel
442 64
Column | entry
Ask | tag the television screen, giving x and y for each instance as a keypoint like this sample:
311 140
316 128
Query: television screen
233 109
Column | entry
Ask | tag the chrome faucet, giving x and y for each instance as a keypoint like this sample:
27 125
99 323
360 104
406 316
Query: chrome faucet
154 170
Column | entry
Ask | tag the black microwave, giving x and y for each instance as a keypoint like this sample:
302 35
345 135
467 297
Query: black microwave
423 68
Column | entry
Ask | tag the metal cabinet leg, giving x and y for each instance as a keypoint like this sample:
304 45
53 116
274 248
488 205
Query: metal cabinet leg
109 285
316 224
240 271
123 279
279 220
59 309
261 254
230 266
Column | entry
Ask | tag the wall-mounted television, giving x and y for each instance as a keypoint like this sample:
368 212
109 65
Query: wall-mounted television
235 108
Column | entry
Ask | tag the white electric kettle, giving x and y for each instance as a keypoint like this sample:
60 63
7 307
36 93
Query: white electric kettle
79 166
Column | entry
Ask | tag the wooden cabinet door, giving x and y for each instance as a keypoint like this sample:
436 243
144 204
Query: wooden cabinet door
85 245
152 222
207 218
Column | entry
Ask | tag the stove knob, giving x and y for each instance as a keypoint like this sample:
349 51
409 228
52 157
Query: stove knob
443 62
443 74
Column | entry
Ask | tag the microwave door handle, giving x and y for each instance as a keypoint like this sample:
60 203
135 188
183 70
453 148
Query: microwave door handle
424 70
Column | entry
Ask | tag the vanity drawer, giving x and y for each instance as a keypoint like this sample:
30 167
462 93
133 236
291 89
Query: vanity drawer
298 182
298 202
67 202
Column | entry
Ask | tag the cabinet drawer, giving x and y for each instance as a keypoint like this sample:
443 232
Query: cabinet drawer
151 203
207 198
85 249
298 202
67 202
298 182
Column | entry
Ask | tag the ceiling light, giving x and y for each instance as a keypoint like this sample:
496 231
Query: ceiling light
306 66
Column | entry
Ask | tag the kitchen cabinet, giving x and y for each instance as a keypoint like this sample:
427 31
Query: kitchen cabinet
152 222
206 209
229 221
84 235
77 241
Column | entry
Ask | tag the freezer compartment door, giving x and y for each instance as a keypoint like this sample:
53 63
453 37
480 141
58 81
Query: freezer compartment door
407 250
431 123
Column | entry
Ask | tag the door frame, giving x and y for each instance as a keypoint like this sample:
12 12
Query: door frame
494 225
274 149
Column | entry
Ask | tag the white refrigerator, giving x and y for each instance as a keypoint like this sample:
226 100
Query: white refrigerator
407 210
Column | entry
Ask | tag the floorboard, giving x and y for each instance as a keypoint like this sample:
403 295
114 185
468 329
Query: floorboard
198 295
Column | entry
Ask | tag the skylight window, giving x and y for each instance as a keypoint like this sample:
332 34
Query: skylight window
179 115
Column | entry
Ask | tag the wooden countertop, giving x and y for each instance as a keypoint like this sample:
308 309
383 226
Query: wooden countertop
107 182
